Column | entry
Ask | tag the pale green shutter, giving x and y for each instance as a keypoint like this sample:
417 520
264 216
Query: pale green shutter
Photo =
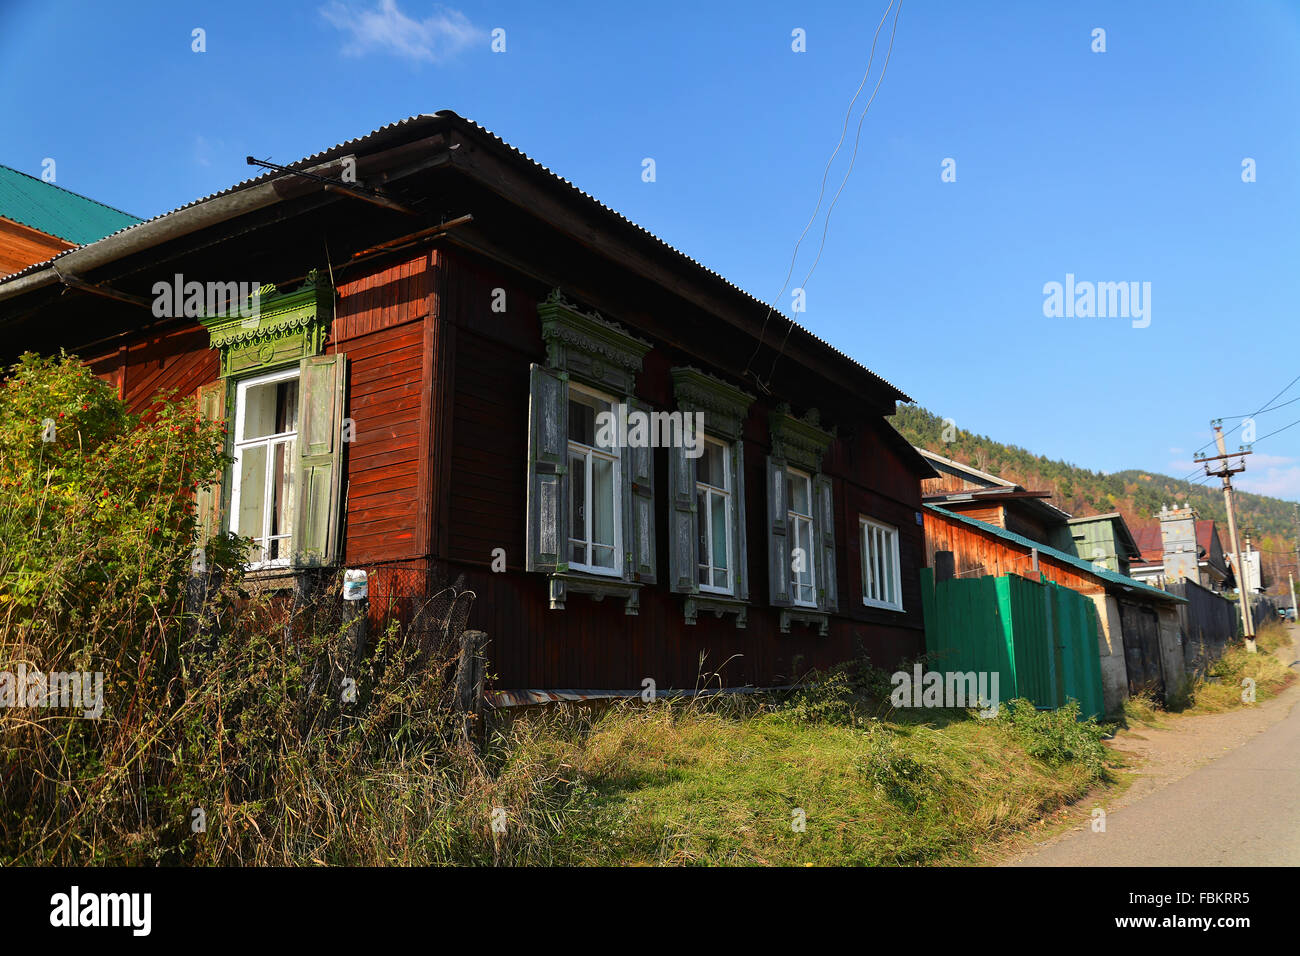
778 557
683 543
640 471
319 476
738 519
548 486
207 499
824 513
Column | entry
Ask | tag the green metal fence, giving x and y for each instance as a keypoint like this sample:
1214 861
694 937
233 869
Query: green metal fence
1040 637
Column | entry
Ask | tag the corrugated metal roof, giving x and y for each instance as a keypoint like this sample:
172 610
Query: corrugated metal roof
1087 566
779 319
56 211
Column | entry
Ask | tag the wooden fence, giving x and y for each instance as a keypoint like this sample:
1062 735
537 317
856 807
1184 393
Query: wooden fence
1208 623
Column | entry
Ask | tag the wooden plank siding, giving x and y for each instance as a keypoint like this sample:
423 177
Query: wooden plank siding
435 481
976 554
595 645
21 246
380 324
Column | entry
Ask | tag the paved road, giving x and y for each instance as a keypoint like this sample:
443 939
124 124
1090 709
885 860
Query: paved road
1242 809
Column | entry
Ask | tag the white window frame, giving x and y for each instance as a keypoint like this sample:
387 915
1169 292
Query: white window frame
793 520
588 451
239 448
727 492
870 573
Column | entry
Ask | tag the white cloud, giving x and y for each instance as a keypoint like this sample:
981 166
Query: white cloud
386 29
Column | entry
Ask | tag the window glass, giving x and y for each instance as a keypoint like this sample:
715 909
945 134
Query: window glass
594 530
263 504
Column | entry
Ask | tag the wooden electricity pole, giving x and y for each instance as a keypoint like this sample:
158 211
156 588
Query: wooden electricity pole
1226 472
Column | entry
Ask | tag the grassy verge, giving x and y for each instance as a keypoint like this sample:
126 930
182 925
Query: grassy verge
1222 687
694 784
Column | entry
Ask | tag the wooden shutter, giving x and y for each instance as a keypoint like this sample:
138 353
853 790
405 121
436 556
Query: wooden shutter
548 486
778 550
741 558
319 476
639 528
207 500
824 513
683 541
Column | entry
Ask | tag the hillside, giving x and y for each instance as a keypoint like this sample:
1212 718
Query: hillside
1137 495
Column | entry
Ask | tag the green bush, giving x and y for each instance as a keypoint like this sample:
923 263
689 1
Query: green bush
1056 737
227 743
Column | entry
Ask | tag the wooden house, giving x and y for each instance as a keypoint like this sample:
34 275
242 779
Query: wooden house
1101 539
1139 633
419 390
967 490
39 219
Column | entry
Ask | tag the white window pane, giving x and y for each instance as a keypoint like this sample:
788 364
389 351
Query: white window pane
602 556
585 418
252 491
702 527
282 491
270 408
799 495
718 507
712 466
602 500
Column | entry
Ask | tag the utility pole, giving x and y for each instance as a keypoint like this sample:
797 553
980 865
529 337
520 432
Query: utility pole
1291 578
1226 471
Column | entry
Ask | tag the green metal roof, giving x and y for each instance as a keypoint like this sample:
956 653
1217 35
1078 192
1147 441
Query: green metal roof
56 211
1112 577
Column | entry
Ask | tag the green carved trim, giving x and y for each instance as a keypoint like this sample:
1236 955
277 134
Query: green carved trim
289 326
800 441
724 407
588 347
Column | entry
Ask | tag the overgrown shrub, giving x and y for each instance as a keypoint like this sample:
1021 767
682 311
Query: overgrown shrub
232 743
1056 737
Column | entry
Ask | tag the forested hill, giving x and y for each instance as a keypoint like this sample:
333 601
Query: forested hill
1137 495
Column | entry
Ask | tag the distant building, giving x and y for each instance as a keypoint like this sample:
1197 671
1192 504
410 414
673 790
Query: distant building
1004 504
1105 540
39 220
1181 546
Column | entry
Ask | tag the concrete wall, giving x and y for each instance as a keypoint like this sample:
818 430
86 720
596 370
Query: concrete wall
1110 644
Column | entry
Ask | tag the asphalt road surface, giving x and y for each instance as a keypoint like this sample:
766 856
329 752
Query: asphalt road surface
1242 809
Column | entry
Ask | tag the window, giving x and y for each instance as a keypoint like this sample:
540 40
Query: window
713 515
800 515
265 452
880 570
595 522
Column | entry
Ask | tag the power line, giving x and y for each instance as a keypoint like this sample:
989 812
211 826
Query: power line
1266 407
822 191
852 160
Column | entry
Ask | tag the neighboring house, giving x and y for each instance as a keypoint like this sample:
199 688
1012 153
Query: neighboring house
1139 630
1101 539
39 220
1181 545
996 501
421 394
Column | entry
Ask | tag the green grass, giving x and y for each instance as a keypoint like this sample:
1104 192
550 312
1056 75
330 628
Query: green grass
675 784
1220 688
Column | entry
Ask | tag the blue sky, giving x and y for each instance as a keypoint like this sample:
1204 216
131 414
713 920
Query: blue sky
1117 166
